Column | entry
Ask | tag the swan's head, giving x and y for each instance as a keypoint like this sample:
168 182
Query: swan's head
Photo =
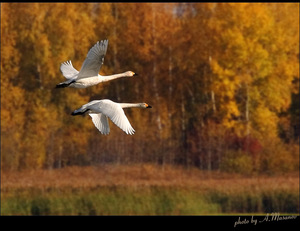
130 73
144 105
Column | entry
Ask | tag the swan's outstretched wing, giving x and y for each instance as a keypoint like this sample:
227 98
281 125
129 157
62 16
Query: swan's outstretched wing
115 112
94 60
101 123
68 70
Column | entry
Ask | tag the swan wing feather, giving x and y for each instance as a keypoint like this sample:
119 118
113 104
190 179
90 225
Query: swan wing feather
68 70
94 60
116 114
101 122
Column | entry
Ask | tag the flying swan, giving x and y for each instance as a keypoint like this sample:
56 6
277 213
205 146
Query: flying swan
101 110
89 72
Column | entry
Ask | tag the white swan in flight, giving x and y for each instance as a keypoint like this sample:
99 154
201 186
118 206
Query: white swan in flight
101 110
89 72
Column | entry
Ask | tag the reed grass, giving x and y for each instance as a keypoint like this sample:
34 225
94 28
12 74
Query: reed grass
144 190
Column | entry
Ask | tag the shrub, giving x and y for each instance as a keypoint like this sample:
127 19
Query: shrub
279 158
236 162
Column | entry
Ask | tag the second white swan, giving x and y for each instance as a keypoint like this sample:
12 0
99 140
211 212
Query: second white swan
89 72
101 110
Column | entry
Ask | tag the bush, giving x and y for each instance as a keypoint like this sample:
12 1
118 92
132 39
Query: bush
236 162
279 158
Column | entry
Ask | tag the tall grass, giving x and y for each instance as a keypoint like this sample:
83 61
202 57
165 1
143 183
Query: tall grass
109 201
263 202
144 190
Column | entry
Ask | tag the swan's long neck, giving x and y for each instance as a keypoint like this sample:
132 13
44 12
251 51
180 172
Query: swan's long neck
111 77
130 105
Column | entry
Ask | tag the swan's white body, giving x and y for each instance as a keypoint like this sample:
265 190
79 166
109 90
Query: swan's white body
89 72
101 110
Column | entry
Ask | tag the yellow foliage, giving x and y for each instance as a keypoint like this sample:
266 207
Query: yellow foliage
265 122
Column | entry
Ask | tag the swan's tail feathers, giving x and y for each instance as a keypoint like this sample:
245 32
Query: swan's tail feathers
79 111
65 84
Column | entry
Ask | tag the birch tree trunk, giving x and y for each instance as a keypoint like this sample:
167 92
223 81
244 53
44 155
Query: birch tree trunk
119 142
154 84
247 117
170 94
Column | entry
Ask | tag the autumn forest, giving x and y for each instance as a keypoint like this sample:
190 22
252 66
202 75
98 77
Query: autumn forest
222 80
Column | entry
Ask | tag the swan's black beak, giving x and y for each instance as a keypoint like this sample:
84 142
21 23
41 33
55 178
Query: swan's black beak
135 74
148 106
